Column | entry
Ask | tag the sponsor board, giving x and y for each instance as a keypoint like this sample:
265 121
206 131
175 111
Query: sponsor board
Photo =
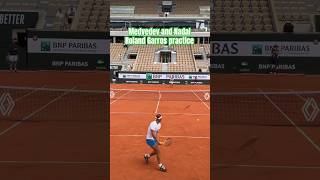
67 46
251 53
217 66
278 67
261 65
163 78
157 76
18 19
263 48
67 50
69 63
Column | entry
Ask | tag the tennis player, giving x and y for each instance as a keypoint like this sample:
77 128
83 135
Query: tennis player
275 58
153 141
171 81
13 55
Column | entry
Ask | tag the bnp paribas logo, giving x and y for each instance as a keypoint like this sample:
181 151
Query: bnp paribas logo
149 76
45 46
257 49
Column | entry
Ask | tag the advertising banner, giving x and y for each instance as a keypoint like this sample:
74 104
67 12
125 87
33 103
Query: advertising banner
260 48
158 76
18 19
251 53
68 50
67 46
163 78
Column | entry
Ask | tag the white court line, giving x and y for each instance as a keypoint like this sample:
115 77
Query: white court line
292 122
120 97
35 112
54 162
156 90
54 89
121 89
266 166
297 94
204 103
187 114
158 103
139 135
28 94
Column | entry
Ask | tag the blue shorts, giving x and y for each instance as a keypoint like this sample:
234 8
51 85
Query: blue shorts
151 142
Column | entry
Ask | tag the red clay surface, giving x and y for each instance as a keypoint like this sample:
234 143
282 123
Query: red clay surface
43 147
186 120
258 140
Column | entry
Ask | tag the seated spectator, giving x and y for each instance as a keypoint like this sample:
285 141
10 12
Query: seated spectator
70 14
59 14
288 27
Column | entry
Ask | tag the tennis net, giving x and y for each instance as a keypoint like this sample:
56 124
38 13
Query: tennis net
163 95
266 108
50 104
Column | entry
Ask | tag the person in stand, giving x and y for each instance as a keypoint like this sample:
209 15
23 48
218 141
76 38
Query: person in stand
60 16
70 15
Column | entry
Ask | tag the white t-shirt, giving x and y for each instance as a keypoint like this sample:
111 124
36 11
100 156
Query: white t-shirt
153 126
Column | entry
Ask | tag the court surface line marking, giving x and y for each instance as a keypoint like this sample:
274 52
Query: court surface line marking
167 113
140 135
201 100
35 112
52 162
158 102
266 166
292 122
120 97
54 89
297 94
28 94
162 90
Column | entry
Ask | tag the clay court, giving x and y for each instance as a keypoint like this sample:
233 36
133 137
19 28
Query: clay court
259 128
186 119
56 129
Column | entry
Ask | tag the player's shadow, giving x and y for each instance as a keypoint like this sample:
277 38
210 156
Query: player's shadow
237 155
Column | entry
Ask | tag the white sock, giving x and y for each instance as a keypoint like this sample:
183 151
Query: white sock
160 165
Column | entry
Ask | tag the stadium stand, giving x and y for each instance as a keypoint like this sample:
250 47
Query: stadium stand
145 54
140 6
204 50
298 12
93 15
189 7
19 4
185 61
154 6
90 15
145 59
117 51
241 16
47 8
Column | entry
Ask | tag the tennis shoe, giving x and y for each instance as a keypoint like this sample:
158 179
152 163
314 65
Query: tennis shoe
162 168
146 158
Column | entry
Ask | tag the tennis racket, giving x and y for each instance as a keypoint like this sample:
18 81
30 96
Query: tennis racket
167 142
